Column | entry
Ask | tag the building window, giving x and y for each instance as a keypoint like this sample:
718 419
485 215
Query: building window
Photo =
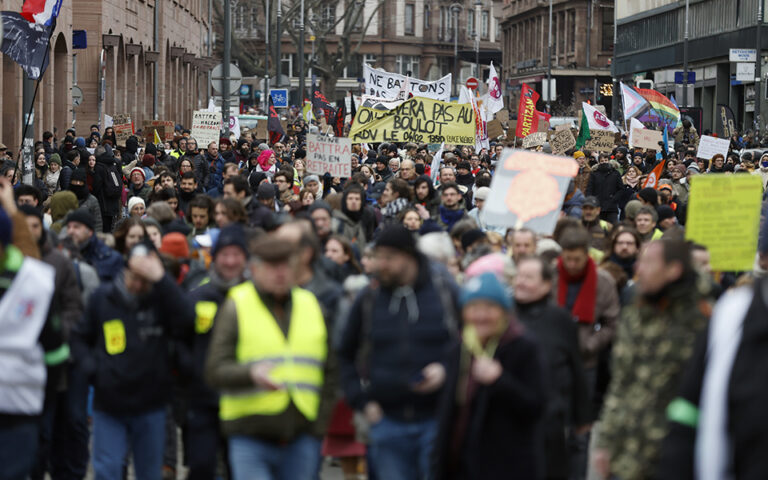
407 65
496 28
329 17
286 64
370 59
357 15
484 24
607 26
572 31
238 17
409 20
471 23
426 17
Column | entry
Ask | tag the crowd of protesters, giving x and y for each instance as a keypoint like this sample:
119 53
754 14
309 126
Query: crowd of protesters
277 319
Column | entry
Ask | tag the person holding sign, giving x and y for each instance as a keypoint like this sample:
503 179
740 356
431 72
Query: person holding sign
494 392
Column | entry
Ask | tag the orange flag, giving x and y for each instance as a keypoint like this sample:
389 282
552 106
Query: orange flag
653 178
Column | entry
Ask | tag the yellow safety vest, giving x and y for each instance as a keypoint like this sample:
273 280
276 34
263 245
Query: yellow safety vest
298 359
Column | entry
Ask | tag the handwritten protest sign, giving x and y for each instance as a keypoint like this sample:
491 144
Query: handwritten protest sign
386 85
123 127
528 190
164 130
724 216
418 120
535 139
206 127
711 146
329 154
645 138
495 129
561 141
600 141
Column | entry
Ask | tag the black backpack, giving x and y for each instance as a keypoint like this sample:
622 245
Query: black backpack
113 181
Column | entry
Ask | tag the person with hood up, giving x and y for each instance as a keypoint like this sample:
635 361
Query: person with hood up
266 162
494 394
762 170
52 173
605 183
109 181
348 222
464 175
84 198
131 150
61 204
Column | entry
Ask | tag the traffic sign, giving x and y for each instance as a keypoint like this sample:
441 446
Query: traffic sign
235 78
279 97
679 77
77 95
472 83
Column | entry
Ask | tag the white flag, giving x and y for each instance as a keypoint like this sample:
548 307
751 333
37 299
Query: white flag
597 121
495 100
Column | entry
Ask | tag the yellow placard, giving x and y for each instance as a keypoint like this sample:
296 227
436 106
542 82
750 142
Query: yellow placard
206 311
724 216
114 337
417 120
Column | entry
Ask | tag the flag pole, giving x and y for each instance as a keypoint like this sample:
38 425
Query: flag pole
28 116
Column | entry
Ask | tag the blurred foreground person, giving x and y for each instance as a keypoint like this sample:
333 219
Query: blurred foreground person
494 393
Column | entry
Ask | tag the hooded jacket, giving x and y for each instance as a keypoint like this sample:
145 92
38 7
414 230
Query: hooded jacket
605 183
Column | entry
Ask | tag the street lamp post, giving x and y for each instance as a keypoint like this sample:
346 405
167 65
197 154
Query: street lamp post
686 35
301 56
266 59
758 69
455 9
278 38
478 12
549 60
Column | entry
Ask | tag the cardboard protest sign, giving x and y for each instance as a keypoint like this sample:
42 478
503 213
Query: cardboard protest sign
261 132
418 120
724 216
711 146
562 126
600 141
206 127
645 138
561 141
123 127
164 130
386 85
329 155
495 129
535 139
528 190
543 126
502 115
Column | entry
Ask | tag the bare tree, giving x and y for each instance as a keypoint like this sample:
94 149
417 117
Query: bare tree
250 60
333 52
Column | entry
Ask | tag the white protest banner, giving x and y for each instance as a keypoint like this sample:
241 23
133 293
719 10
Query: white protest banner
710 146
123 128
383 84
528 190
645 138
206 127
329 155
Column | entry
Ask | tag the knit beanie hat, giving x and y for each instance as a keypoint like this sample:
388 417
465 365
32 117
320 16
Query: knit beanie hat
138 169
148 160
399 238
311 178
55 158
469 237
231 235
82 215
485 287
665 212
133 201
175 244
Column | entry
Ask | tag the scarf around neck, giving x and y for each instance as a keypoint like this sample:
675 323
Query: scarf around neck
584 306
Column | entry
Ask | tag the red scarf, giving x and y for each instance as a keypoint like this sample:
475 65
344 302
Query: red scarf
584 306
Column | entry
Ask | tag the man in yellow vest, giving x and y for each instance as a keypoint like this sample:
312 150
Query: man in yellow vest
271 359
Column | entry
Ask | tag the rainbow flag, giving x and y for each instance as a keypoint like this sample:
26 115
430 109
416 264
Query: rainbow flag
661 106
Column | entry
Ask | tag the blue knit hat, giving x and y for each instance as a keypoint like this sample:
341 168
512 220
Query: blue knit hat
485 287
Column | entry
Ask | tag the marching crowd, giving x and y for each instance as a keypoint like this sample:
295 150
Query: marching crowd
273 317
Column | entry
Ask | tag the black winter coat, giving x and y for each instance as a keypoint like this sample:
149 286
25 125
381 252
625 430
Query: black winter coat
605 183
131 370
105 165
502 440
569 399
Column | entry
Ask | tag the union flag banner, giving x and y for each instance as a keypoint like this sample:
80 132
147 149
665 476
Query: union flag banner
527 118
